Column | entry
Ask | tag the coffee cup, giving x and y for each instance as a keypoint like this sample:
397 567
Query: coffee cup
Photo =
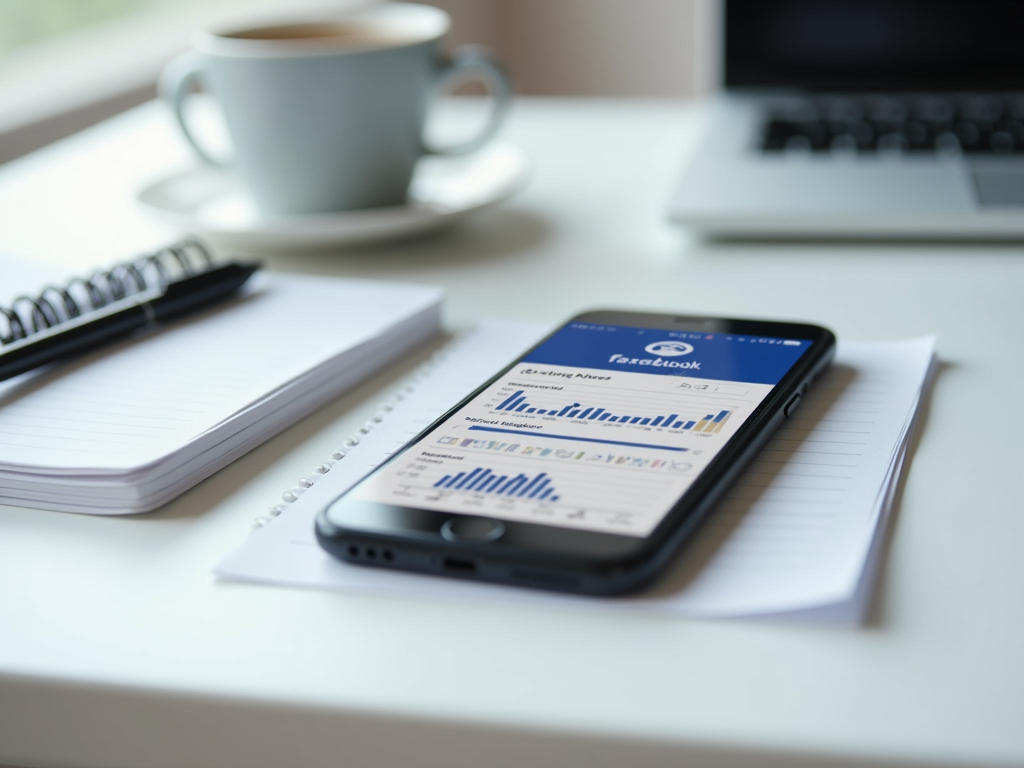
328 114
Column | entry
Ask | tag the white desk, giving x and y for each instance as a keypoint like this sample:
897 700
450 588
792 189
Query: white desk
118 649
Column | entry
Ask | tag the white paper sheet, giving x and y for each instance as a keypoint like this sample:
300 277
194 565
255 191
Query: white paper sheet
132 402
132 424
793 539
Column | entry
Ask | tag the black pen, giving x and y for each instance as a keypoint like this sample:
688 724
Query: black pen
123 318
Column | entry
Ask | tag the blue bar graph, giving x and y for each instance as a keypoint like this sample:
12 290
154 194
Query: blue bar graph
484 480
710 423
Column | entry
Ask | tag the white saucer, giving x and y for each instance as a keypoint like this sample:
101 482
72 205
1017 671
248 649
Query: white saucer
212 203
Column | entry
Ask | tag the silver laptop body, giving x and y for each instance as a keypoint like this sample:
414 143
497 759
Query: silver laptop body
863 119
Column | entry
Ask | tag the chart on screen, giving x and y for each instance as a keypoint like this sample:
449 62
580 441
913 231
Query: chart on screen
575 447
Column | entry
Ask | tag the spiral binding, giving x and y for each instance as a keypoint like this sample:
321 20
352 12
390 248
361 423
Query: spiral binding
419 374
59 304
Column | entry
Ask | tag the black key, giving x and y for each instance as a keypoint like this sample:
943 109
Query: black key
919 138
969 135
947 142
1016 129
775 136
789 135
843 142
981 109
891 142
865 133
889 109
1001 141
841 109
1014 108
934 109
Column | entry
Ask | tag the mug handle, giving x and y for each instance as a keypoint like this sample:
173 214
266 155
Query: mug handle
475 62
176 83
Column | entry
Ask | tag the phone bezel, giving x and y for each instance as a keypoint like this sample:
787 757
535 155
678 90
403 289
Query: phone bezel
577 560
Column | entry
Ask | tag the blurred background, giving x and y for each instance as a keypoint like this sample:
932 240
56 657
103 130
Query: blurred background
65 64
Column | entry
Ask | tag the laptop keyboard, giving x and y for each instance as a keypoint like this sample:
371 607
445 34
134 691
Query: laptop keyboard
989 124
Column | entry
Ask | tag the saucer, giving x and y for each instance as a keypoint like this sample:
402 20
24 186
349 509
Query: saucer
213 203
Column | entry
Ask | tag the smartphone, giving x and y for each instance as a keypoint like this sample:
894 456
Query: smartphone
587 463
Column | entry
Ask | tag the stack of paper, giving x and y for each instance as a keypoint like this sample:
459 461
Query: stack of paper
798 537
129 427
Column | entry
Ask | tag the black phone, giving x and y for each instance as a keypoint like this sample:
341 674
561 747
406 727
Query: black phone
585 464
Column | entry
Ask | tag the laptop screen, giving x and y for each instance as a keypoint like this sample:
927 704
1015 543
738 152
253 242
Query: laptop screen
890 45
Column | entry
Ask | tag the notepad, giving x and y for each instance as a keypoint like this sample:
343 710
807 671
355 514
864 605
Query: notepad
797 537
131 426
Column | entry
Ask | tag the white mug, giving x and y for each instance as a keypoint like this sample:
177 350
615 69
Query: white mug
328 114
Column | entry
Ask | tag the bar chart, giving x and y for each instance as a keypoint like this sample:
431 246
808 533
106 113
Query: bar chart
487 481
712 422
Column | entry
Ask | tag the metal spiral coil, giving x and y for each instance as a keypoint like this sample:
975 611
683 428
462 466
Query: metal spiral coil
58 304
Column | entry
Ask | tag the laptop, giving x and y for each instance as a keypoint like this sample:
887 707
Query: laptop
863 119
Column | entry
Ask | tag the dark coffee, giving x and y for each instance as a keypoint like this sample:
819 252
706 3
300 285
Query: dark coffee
347 35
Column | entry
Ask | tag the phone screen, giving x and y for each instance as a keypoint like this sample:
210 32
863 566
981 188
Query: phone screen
601 427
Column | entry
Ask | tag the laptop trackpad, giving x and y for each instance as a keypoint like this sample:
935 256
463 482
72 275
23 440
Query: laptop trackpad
1000 187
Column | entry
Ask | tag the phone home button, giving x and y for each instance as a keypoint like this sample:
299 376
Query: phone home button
472 529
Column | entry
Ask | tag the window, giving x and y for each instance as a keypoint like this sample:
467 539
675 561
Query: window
66 64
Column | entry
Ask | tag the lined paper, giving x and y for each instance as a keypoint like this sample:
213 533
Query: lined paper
793 538
795 532
130 403
129 426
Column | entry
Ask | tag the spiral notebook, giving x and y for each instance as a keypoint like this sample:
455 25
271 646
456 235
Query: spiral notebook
130 426
798 538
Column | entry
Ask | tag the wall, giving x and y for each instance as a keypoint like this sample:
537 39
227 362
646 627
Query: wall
594 47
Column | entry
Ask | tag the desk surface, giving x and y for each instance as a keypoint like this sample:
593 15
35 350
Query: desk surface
117 648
